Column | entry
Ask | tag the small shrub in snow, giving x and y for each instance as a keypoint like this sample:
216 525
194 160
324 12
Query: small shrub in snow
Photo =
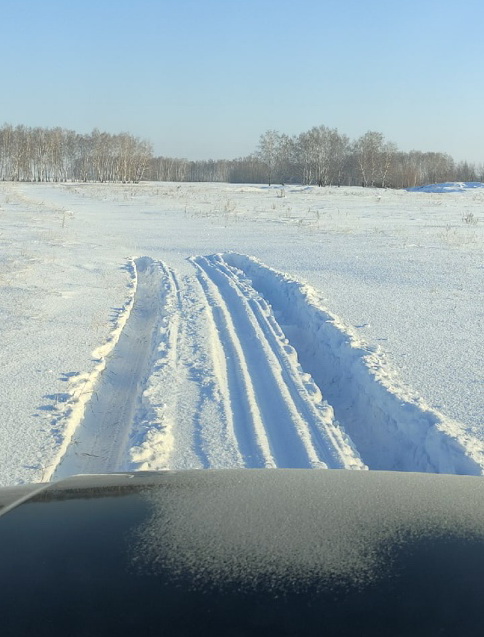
229 206
469 218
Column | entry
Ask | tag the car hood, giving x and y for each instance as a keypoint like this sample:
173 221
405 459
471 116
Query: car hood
299 552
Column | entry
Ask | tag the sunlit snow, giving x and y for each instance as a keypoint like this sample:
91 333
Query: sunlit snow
164 325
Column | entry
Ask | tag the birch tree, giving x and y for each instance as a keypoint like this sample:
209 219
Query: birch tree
268 152
374 156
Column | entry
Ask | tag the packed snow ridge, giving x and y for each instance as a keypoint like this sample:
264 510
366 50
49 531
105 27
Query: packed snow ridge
238 365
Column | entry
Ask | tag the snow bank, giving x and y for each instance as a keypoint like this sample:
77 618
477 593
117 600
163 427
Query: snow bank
392 427
70 413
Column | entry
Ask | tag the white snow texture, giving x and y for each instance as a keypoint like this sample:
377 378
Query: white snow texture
200 350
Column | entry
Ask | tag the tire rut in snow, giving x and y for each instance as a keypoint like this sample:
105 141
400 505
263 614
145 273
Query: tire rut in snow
99 442
277 416
392 428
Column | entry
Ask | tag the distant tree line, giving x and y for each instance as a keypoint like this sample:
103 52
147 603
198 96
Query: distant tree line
321 156
57 154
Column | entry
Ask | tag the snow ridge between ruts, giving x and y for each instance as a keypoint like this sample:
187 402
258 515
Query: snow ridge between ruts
392 428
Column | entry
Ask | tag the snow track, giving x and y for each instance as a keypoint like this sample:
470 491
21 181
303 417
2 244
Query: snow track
100 440
238 365
392 428
279 419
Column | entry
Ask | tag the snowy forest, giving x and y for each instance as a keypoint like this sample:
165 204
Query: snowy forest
321 156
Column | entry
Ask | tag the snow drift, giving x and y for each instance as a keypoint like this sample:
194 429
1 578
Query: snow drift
390 426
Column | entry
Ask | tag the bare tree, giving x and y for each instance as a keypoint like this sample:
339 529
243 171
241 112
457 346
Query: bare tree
320 155
374 156
268 152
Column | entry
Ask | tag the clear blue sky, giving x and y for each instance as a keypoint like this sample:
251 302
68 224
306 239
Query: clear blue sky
204 78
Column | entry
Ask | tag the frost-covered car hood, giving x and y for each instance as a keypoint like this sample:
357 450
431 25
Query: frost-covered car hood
245 552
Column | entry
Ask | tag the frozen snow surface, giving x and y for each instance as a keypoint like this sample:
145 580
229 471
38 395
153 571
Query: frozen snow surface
448 186
180 326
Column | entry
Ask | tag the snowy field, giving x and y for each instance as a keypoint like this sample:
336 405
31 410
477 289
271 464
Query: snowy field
187 326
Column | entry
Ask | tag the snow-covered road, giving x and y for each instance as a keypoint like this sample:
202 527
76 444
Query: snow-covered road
237 388
247 385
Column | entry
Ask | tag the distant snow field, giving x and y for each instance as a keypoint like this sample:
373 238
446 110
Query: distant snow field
179 326
448 186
